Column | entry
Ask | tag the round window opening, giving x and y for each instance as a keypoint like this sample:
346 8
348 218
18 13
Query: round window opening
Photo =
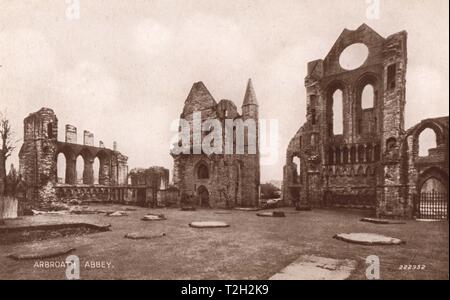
353 56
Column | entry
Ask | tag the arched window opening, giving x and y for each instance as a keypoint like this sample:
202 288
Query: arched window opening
427 141
433 185
96 168
61 166
80 169
203 196
202 172
338 112
391 72
297 163
368 97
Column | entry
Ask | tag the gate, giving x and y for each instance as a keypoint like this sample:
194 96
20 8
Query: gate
433 205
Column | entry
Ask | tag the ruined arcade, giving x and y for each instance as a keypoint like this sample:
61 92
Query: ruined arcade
39 153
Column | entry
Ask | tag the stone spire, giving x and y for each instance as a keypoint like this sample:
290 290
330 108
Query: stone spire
250 97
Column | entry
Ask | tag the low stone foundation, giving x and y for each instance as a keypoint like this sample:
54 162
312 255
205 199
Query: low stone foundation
18 234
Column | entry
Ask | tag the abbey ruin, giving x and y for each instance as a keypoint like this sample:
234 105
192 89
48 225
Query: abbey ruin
374 163
209 141
39 156
207 180
219 180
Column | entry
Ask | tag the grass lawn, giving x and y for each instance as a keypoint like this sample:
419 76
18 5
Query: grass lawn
251 248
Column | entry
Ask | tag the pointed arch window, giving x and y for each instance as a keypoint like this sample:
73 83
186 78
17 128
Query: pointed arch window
202 172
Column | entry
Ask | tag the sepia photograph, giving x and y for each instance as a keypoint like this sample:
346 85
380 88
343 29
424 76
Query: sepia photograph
227 146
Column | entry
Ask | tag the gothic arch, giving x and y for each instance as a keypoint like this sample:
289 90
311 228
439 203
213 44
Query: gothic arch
364 80
432 172
202 170
438 130
360 171
330 114
67 151
203 196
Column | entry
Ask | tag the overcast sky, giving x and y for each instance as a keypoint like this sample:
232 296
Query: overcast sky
124 68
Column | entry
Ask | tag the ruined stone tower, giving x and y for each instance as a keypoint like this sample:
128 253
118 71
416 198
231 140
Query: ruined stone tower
219 179
373 162
38 152
393 195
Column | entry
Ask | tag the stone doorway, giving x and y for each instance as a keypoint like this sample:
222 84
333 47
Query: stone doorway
203 195
141 197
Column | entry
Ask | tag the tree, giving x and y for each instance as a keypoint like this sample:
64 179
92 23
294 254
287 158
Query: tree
7 147
12 179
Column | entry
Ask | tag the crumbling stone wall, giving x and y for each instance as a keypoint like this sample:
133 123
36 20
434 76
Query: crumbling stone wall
372 163
39 152
416 170
219 180
37 155
153 187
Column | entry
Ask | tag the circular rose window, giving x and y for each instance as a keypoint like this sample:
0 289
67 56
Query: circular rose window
353 56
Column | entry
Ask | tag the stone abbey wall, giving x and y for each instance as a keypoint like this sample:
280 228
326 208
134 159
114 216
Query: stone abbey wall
39 152
373 163
218 180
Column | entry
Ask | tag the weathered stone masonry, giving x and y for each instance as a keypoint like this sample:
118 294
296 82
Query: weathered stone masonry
40 149
375 162
219 180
